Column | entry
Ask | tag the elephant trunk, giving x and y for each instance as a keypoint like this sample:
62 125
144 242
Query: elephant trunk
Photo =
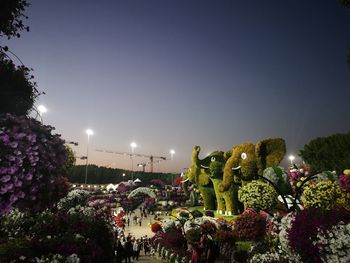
228 176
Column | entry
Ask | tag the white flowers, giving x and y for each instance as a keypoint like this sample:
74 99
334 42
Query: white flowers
334 243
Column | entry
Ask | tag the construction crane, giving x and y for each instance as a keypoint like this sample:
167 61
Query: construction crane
152 158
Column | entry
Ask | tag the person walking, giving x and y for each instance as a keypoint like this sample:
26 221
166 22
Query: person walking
128 250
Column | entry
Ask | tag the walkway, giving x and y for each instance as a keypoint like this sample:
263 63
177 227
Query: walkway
140 231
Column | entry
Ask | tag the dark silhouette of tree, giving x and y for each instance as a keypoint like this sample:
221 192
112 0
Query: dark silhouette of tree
104 175
18 91
11 17
17 88
328 153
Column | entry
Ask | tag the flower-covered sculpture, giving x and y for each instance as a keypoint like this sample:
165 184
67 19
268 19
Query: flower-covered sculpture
248 161
258 195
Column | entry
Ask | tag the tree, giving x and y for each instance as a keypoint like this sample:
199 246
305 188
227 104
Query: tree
17 88
18 91
11 17
328 153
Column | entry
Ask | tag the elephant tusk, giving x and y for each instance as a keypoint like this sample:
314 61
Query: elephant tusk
205 167
236 168
184 181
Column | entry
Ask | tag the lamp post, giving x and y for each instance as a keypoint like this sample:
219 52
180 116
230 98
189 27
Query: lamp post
88 132
41 109
172 152
291 158
133 145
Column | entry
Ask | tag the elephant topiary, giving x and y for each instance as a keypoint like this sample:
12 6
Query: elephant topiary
198 174
248 161
225 200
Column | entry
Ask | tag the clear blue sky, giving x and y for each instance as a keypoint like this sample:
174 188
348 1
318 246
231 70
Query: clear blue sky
174 74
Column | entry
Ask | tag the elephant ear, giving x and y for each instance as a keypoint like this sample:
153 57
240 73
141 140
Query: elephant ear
227 155
269 152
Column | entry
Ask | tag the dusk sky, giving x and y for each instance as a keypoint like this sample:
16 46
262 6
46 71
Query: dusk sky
175 74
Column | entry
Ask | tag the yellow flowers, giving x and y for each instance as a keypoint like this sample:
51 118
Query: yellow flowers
347 172
324 195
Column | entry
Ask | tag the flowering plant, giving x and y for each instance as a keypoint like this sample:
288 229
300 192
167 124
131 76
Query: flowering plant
334 243
32 161
323 195
307 225
208 228
156 227
258 195
193 235
344 182
73 198
224 236
295 176
250 226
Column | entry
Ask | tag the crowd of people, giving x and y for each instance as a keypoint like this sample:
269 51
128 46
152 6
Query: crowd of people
129 248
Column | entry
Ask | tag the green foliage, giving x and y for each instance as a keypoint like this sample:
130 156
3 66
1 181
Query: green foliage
11 17
258 195
324 195
196 213
279 178
269 152
193 199
17 90
328 153
70 158
104 175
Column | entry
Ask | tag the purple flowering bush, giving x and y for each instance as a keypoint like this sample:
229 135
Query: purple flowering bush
31 166
308 223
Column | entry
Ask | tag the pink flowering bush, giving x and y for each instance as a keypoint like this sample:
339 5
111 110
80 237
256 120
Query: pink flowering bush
344 182
250 226
31 168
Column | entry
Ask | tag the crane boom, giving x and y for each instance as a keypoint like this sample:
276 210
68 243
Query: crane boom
151 157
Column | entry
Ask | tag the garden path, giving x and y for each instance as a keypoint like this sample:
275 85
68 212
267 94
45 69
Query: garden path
140 231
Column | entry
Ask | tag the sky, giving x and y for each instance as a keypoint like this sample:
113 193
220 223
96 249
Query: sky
175 74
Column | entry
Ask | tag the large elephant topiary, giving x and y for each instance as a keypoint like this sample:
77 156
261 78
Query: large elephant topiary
248 161
198 174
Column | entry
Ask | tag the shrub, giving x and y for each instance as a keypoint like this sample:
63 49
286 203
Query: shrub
224 236
156 227
32 164
196 213
307 224
323 195
250 227
209 213
193 235
258 195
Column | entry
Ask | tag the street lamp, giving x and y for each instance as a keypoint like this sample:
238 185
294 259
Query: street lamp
133 145
291 158
172 152
88 132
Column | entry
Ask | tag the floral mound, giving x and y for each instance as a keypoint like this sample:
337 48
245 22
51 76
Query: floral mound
32 161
